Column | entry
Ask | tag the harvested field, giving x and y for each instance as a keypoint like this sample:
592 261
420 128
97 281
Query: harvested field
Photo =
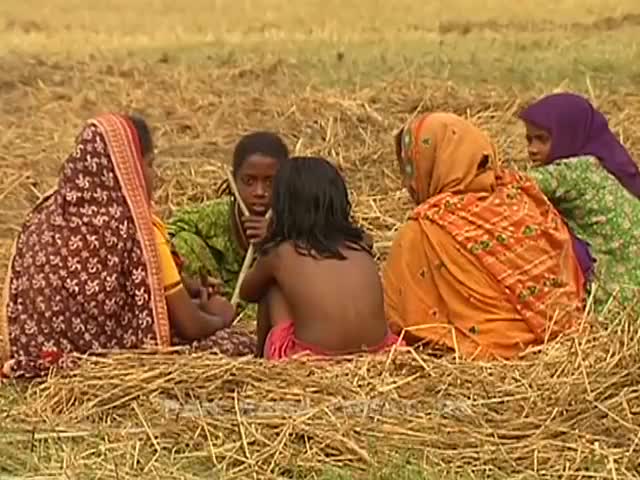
569 411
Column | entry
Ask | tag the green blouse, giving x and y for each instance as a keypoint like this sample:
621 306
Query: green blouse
203 236
602 212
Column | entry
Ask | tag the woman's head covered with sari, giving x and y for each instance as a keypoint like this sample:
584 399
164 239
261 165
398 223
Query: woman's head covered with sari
441 152
565 125
484 265
85 274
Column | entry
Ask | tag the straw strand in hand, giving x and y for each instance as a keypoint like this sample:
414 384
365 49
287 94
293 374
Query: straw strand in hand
248 259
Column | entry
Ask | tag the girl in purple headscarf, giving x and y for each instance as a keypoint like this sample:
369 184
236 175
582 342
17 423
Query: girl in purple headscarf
595 184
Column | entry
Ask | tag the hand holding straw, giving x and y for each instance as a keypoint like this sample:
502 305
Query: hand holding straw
248 259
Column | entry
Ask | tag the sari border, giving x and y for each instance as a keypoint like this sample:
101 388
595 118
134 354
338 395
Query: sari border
122 147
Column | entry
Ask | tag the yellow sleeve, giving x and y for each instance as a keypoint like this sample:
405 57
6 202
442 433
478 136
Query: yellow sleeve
171 279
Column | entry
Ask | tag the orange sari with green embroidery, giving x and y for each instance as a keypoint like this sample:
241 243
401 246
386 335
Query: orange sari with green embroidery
485 264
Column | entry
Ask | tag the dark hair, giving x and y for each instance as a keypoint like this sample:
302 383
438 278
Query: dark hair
144 134
311 208
265 143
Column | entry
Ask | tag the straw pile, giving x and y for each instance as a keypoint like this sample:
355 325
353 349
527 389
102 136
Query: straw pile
569 411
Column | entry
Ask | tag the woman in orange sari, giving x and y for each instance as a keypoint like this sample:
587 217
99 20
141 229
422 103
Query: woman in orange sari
485 265
92 269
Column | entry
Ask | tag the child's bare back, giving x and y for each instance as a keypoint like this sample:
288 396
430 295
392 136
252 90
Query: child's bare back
336 305
316 282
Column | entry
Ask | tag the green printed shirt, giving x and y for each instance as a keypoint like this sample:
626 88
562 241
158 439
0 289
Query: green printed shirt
203 237
602 212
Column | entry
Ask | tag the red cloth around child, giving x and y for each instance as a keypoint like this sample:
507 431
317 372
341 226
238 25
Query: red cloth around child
282 343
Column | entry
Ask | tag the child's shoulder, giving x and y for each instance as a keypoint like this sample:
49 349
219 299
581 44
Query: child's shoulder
277 250
585 169
212 210
582 160
221 204
289 250
581 168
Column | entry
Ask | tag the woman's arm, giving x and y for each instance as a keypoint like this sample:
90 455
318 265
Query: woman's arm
192 286
191 319
194 320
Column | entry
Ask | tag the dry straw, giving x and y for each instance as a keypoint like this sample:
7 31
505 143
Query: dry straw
571 410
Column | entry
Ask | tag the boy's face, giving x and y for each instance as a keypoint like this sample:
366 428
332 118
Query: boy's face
538 144
254 181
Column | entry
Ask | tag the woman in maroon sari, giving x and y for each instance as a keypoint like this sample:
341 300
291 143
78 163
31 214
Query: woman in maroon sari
92 270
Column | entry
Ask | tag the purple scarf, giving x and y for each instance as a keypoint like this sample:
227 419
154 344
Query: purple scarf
576 128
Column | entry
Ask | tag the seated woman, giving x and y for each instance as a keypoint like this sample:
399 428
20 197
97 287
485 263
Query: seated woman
484 265
91 269
212 239
595 184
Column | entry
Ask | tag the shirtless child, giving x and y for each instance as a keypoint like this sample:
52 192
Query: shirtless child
316 282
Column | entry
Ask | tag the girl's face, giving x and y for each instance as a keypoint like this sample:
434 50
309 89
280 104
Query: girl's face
538 144
254 179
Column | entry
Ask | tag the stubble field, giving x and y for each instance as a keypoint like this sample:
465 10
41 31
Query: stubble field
336 79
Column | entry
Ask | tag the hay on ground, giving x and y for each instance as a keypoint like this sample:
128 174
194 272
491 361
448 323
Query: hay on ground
569 411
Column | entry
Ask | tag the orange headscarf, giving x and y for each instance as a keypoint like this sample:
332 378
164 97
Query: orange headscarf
445 153
485 264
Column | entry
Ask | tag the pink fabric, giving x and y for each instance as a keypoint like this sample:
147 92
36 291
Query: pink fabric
282 344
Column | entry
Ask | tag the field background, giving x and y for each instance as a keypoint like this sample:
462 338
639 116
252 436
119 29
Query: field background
336 78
